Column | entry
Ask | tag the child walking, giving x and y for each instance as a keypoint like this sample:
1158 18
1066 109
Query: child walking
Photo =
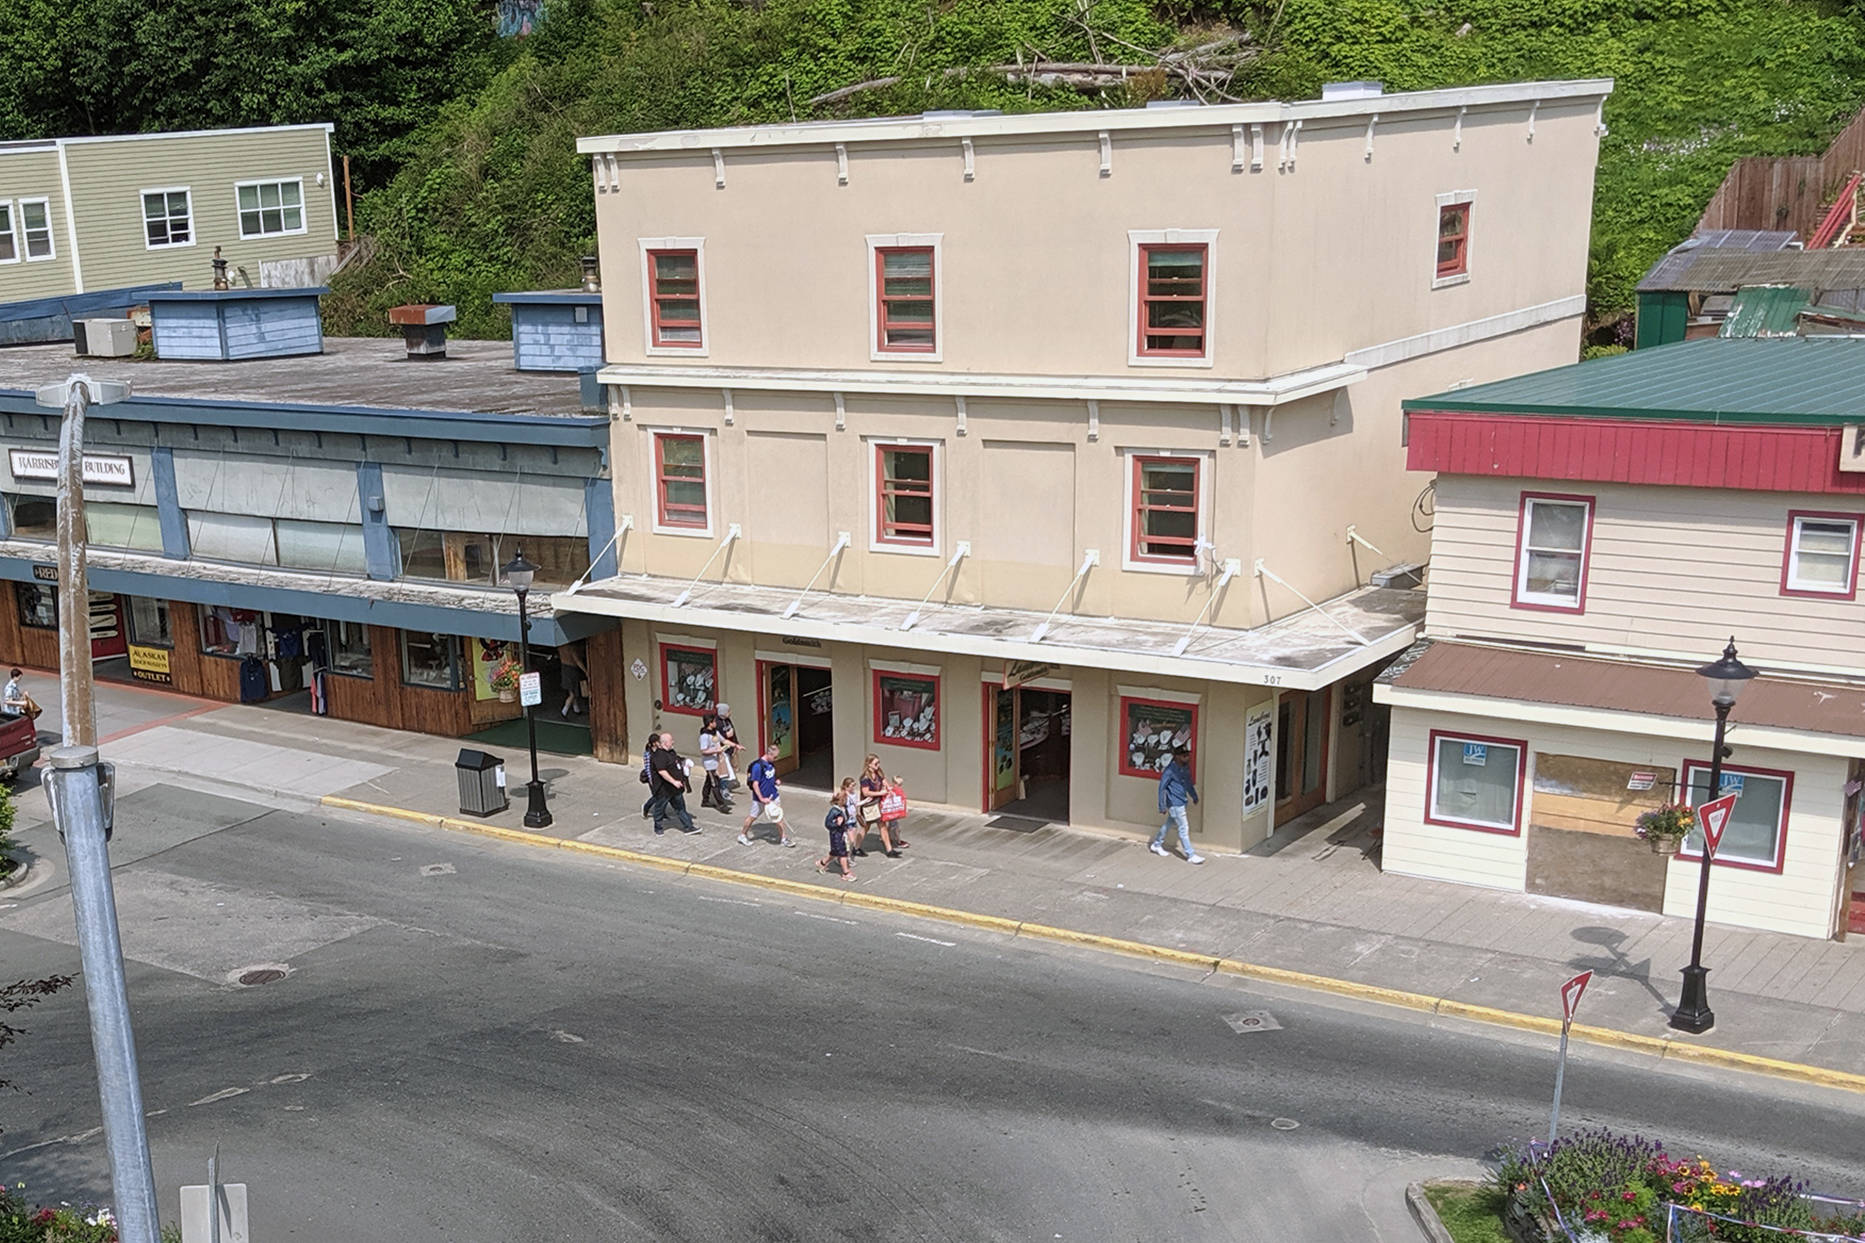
838 820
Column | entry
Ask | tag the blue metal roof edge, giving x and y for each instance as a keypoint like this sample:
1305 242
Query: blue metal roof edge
82 303
555 297
576 430
236 295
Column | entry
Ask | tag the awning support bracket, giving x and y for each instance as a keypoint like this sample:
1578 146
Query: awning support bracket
1263 571
623 525
1089 559
731 533
1232 568
959 552
842 541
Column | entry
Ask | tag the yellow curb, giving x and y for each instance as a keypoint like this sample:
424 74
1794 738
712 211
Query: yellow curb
1657 1046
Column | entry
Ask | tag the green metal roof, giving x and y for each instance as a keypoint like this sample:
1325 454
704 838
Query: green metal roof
1816 381
1765 311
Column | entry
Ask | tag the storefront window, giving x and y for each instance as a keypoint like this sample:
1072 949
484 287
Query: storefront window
33 517
1476 783
422 553
38 605
689 678
906 709
463 557
1753 834
1151 731
349 649
334 547
149 623
232 632
232 537
431 660
110 525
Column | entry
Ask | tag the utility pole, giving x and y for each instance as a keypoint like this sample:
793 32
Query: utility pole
81 809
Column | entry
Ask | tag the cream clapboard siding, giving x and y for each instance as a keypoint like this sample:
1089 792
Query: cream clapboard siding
1801 900
108 178
1674 571
33 175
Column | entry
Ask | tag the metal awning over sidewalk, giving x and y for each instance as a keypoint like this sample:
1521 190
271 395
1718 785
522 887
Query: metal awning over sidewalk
1305 651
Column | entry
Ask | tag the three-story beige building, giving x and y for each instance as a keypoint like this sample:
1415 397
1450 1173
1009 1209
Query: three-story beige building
1019 450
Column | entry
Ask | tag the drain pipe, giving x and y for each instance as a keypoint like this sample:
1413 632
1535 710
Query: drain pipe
1232 568
623 525
1089 560
1263 571
731 533
959 553
842 541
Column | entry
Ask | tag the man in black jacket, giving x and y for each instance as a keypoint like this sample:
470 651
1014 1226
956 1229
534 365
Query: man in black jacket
671 783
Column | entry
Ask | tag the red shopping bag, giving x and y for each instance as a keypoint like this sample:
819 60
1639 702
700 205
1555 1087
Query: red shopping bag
893 804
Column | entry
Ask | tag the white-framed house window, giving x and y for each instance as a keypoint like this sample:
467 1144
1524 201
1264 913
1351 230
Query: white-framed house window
1168 509
1171 297
1822 556
9 235
906 297
1756 832
270 208
680 481
35 226
1554 540
673 296
167 217
1475 782
1452 265
906 510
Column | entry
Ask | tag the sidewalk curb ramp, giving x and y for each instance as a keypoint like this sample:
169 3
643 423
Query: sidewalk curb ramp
1657 1046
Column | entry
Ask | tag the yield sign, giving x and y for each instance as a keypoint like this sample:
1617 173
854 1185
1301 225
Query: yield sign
1714 817
1570 996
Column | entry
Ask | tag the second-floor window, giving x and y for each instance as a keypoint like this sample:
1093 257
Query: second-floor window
9 240
1822 556
1453 238
903 505
674 299
1166 505
904 300
1551 554
35 222
680 482
1172 310
167 218
270 208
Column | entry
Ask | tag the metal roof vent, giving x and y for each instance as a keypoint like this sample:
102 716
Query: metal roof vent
1364 89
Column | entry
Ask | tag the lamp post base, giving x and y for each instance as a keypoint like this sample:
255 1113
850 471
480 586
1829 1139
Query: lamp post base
1693 1009
537 815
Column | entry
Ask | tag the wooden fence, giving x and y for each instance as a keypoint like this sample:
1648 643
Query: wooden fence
1786 191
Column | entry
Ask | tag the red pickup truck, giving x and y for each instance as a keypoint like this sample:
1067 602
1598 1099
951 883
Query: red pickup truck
19 746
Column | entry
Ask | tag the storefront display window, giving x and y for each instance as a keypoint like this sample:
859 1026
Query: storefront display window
33 517
232 632
38 605
906 709
149 623
431 660
1756 827
1151 729
689 678
1475 783
349 649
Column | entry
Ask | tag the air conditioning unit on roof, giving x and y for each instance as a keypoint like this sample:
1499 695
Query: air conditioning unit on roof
104 338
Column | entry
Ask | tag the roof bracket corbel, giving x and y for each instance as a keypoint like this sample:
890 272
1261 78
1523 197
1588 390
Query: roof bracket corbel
1269 423
1370 123
718 168
841 413
1457 131
1532 110
842 541
1263 571
1094 420
1232 568
1107 154
731 411
1239 149
1599 121
971 170
1256 148
621 403
731 533
960 551
1223 424
1243 427
960 402
1089 559
841 163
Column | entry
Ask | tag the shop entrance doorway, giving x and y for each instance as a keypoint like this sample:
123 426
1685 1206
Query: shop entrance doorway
796 712
1301 753
1026 752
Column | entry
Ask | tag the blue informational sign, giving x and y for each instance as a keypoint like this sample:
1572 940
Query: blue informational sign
1476 754
1731 784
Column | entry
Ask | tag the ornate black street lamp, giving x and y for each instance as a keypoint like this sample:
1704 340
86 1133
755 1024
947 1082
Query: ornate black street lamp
518 576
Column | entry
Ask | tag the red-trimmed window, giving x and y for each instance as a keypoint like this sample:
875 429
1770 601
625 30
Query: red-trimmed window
673 298
1172 309
903 501
680 480
689 679
1474 782
906 709
1822 556
1553 544
904 297
1165 510
1454 239
1756 835
1151 730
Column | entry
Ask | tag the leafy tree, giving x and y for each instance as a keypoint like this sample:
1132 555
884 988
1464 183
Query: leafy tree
23 995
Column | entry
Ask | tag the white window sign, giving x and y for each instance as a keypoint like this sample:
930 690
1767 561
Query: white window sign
100 468
1476 754
530 689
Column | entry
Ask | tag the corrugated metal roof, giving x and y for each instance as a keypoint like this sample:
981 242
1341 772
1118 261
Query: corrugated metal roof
1765 311
1667 270
1719 271
1781 380
1620 686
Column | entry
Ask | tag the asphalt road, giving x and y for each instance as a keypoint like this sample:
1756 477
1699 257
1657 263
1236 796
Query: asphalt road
482 1042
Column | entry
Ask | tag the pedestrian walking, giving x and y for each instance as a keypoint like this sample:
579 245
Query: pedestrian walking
712 752
728 755
573 675
672 780
651 808
874 786
761 780
839 820
1175 787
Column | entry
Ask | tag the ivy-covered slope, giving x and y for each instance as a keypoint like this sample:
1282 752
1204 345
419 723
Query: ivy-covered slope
493 197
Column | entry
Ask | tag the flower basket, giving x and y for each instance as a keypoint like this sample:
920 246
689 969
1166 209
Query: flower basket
504 678
1665 828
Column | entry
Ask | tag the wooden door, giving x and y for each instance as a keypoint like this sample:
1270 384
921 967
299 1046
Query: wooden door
1301 753
777 713
1002 717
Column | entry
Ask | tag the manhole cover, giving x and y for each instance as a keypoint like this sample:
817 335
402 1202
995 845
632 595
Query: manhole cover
264 975
1248 1021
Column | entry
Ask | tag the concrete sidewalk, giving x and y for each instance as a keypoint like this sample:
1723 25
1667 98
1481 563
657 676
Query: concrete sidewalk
1310 900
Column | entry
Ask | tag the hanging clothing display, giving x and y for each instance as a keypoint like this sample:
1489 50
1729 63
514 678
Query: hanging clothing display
255 682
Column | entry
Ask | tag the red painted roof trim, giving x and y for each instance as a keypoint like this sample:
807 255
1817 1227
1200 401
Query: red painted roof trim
1688 455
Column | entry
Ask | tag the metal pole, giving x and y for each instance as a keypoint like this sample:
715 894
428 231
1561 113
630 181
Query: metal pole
1560 1074
1693 1012
78 812
537 814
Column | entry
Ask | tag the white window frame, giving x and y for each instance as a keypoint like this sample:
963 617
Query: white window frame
1137 238
1774 863
873 446
142 217
1543 599
1207 465
304 221
24 234
698 246
1522 782
1451 198
12 231
706 437
1845 591
890 241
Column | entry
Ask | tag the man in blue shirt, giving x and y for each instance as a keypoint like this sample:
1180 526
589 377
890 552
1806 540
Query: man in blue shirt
761 780
1175 787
